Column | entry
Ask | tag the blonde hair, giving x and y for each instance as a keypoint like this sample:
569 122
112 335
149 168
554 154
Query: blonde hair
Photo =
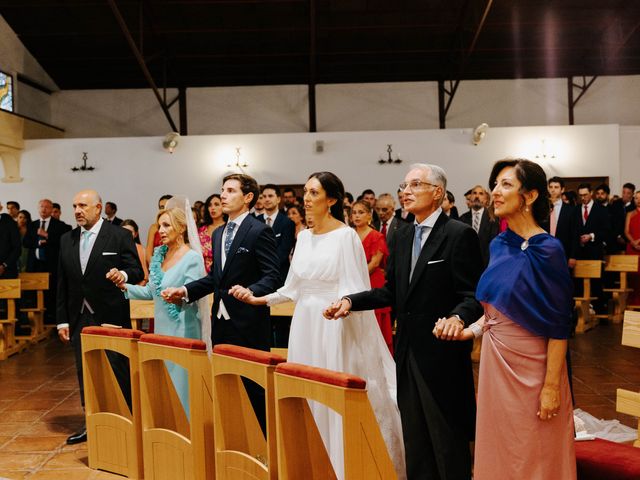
177 220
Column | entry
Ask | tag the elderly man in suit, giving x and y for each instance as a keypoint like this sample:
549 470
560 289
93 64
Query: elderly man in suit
480 220
432 273
388 224
245 253
87 295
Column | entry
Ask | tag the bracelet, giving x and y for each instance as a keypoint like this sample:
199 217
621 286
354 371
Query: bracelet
476 329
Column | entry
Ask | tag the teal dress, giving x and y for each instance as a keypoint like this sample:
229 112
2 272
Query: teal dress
175 320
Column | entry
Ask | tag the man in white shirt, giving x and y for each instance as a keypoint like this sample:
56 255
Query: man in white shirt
562 222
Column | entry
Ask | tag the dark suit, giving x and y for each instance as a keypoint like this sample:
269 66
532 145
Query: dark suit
599 225
617 216
285 232
113 248
55 230
435 380
253 263
566 230
392 228
10 246
487 231
410 216
116 221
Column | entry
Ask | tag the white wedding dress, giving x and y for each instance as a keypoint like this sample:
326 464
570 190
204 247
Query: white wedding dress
324 268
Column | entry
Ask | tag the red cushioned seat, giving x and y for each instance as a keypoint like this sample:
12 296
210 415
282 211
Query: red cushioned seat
601 459
113 332
179 342
258 356
322 375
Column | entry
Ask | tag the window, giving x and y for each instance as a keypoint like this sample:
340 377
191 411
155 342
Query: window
6 92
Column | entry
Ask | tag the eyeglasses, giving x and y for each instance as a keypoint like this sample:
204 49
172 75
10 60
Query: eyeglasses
415 185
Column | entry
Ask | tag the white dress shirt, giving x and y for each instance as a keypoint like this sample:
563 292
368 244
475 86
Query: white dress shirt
47 222
430 221
222 310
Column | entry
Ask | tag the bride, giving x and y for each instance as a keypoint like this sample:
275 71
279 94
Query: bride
328 263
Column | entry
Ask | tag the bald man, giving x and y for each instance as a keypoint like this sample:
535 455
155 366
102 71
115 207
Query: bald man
86 297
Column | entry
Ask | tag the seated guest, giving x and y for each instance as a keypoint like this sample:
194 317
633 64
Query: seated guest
133 228
176 261
153 237
213 218
632 233
296 215
376 252
110 210
24 219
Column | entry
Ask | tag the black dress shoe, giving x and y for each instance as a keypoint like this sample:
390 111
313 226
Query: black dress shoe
79 437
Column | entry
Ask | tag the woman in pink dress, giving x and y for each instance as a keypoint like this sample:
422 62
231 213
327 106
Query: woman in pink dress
632 232
524 427
376 252
213 218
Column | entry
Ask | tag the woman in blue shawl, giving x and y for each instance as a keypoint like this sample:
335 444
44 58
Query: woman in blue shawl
524 426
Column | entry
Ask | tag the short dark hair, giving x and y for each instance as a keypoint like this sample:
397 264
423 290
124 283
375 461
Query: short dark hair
206 217
630 186
334 189
128 222
604 187
56 205
450 197
164 197
247 185
556 180
271 186
368 191
585 185
112 205
289 190
14 203
532 177
348 196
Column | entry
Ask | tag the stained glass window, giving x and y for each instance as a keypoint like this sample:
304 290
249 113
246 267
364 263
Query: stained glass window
6 92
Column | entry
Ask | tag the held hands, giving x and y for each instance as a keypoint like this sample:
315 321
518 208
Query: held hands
117 278
451 328
338 309
245 295
549 402
172 295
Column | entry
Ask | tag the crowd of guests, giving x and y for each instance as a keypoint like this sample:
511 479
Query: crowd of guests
441 277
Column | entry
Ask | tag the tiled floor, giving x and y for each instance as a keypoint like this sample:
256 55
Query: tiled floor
39 405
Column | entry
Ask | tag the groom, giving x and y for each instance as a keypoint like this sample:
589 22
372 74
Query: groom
432 273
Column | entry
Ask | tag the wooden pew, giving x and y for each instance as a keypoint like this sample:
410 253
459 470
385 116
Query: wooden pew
32 287
627 401
586 270
9 292
114 435
175 447
241 448
283 309
301 452
139 310
623 264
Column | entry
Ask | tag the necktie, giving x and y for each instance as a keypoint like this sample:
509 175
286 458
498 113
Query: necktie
269 221
554 221
86 235
476 221
586 214
383 230
417 247
229 238
41 253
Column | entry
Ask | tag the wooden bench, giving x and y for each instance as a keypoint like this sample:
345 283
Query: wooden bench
176 447
32 288
140 310
114 435
586 270
623 264
301 452
628 402
9 292
283 309
241 447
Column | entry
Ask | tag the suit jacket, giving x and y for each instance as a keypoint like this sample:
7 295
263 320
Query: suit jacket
253 263
486 232
598 224
566 230
55 230
617 217
113 248
410 216
443 284
116 221
285 232
10 246
392 228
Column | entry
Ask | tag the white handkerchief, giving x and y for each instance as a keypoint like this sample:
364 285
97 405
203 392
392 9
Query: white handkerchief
278 234
109 253
435 261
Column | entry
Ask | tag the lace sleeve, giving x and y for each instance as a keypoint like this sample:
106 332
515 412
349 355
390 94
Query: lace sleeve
276 298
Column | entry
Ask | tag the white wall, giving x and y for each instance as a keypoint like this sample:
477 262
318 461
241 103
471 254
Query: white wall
134 172
630 156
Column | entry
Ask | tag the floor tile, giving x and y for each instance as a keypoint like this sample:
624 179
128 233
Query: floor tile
21 461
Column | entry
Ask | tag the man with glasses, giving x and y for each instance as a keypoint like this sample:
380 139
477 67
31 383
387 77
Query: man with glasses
432 273
388 224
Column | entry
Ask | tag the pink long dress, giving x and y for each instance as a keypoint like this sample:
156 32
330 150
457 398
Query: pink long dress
512 372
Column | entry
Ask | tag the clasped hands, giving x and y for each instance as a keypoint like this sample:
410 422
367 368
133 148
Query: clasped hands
116 277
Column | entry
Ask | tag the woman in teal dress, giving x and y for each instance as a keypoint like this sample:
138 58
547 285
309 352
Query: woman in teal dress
173 264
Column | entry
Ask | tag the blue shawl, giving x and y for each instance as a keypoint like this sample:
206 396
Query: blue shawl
530 284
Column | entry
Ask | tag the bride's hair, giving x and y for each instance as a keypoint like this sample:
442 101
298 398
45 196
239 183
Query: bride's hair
334 189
